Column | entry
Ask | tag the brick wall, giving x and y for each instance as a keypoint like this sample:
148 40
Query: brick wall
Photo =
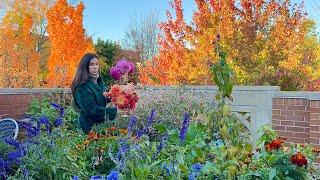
298 119
15 105
14 102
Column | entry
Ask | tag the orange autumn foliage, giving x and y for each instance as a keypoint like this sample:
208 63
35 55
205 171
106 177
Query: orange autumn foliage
19 59
268 43
68 42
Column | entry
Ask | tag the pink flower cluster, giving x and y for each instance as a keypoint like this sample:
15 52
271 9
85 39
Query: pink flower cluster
122 67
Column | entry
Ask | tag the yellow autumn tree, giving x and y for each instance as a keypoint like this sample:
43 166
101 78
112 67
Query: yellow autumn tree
268 43
21 43
68 42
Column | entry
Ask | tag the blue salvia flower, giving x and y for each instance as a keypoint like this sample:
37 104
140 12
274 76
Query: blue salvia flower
25 173
196 167
192 176
132 122
15 156
166 168
61 113
13 142
2 175
123 148
3 166
184 128
114 175
161 144
140 133
44 120
60 108
96 178
31 131
151 117
149 121
75 178
58 122
55 105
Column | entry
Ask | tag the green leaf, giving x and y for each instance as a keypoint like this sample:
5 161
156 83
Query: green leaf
183 168
272 173
225 109
161 128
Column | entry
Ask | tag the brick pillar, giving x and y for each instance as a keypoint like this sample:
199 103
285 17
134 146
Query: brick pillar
315 123
291 118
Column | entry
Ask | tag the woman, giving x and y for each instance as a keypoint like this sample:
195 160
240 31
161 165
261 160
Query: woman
87 89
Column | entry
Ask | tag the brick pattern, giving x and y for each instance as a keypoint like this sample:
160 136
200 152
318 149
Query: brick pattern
291 118
15 105
315 123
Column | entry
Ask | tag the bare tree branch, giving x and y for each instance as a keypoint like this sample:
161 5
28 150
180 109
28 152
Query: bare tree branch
141 35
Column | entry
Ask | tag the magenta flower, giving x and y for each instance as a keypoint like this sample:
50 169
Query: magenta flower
122 67
125 66
115 73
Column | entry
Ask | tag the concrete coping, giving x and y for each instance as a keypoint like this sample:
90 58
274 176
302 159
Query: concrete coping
311 95
214 88
33 90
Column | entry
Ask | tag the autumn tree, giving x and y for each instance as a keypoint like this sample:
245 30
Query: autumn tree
268 43
22 42
68 42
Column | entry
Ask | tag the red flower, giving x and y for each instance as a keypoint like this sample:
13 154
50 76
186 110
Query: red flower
124 97
92 135
299 159
274 144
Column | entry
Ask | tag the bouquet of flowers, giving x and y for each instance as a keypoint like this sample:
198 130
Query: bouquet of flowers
123 94
123 97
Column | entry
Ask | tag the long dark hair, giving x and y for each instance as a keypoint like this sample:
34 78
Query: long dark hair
82 74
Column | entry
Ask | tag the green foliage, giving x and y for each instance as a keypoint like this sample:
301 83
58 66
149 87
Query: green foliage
53 156
107 51
42 107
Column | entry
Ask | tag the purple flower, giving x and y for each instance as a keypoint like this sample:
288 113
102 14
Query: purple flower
3 166
115 73
25 173
167 170
31 131
13 142
114 175
132 122
184 128
151 117
16 155
192 176
196 167
140 133
44 120
125 66
60 108
58 122
96 178
75 178
161 144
